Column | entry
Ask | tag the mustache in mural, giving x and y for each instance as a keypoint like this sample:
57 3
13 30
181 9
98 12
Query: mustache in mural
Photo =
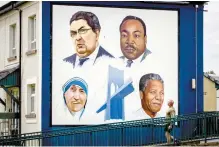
130 47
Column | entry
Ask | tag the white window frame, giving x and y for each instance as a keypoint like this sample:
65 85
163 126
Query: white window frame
32 32
12 47
28 115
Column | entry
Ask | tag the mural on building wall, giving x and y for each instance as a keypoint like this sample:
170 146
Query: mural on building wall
112 64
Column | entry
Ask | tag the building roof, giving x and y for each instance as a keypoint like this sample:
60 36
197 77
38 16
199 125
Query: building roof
213 78
6 72
13 4
10 6
181 2
10 77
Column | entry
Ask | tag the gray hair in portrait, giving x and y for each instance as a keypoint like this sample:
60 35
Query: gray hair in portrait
143 83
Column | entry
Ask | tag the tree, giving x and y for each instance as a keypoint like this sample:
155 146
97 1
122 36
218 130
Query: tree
210 72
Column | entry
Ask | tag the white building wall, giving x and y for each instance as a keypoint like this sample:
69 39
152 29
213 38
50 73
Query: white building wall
2 43
31 64
5 21
39 91
13 18
31 69
2 60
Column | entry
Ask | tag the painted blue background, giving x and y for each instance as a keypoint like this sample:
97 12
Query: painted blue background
187 64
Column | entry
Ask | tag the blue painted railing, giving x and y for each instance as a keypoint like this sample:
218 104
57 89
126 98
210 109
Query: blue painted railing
191 127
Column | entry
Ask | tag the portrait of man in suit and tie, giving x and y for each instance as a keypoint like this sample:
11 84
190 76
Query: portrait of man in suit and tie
85 30
133 40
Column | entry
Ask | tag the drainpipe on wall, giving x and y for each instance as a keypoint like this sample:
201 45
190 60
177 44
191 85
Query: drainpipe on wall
20 54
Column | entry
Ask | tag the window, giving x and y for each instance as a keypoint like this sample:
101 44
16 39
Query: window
32 32
14 105
12 30
31 98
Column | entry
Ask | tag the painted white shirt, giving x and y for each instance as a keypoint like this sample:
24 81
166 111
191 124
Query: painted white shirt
139 60
136 61
141 114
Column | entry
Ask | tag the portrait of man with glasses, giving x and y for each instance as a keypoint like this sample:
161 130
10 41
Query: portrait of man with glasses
84 31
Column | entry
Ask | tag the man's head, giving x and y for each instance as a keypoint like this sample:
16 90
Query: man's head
75 94
151 87
84 30
133 37
170 103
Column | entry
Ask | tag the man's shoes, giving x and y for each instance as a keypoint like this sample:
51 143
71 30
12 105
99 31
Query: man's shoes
176 142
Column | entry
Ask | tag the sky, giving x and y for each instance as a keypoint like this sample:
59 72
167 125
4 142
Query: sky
211 36
3 2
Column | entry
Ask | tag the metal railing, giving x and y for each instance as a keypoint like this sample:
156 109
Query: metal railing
192 127
9 127
4 127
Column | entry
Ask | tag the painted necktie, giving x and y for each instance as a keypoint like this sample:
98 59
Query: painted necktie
82 60
129 63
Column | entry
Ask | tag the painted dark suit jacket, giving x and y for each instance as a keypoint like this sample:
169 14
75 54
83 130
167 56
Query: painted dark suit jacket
102 52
